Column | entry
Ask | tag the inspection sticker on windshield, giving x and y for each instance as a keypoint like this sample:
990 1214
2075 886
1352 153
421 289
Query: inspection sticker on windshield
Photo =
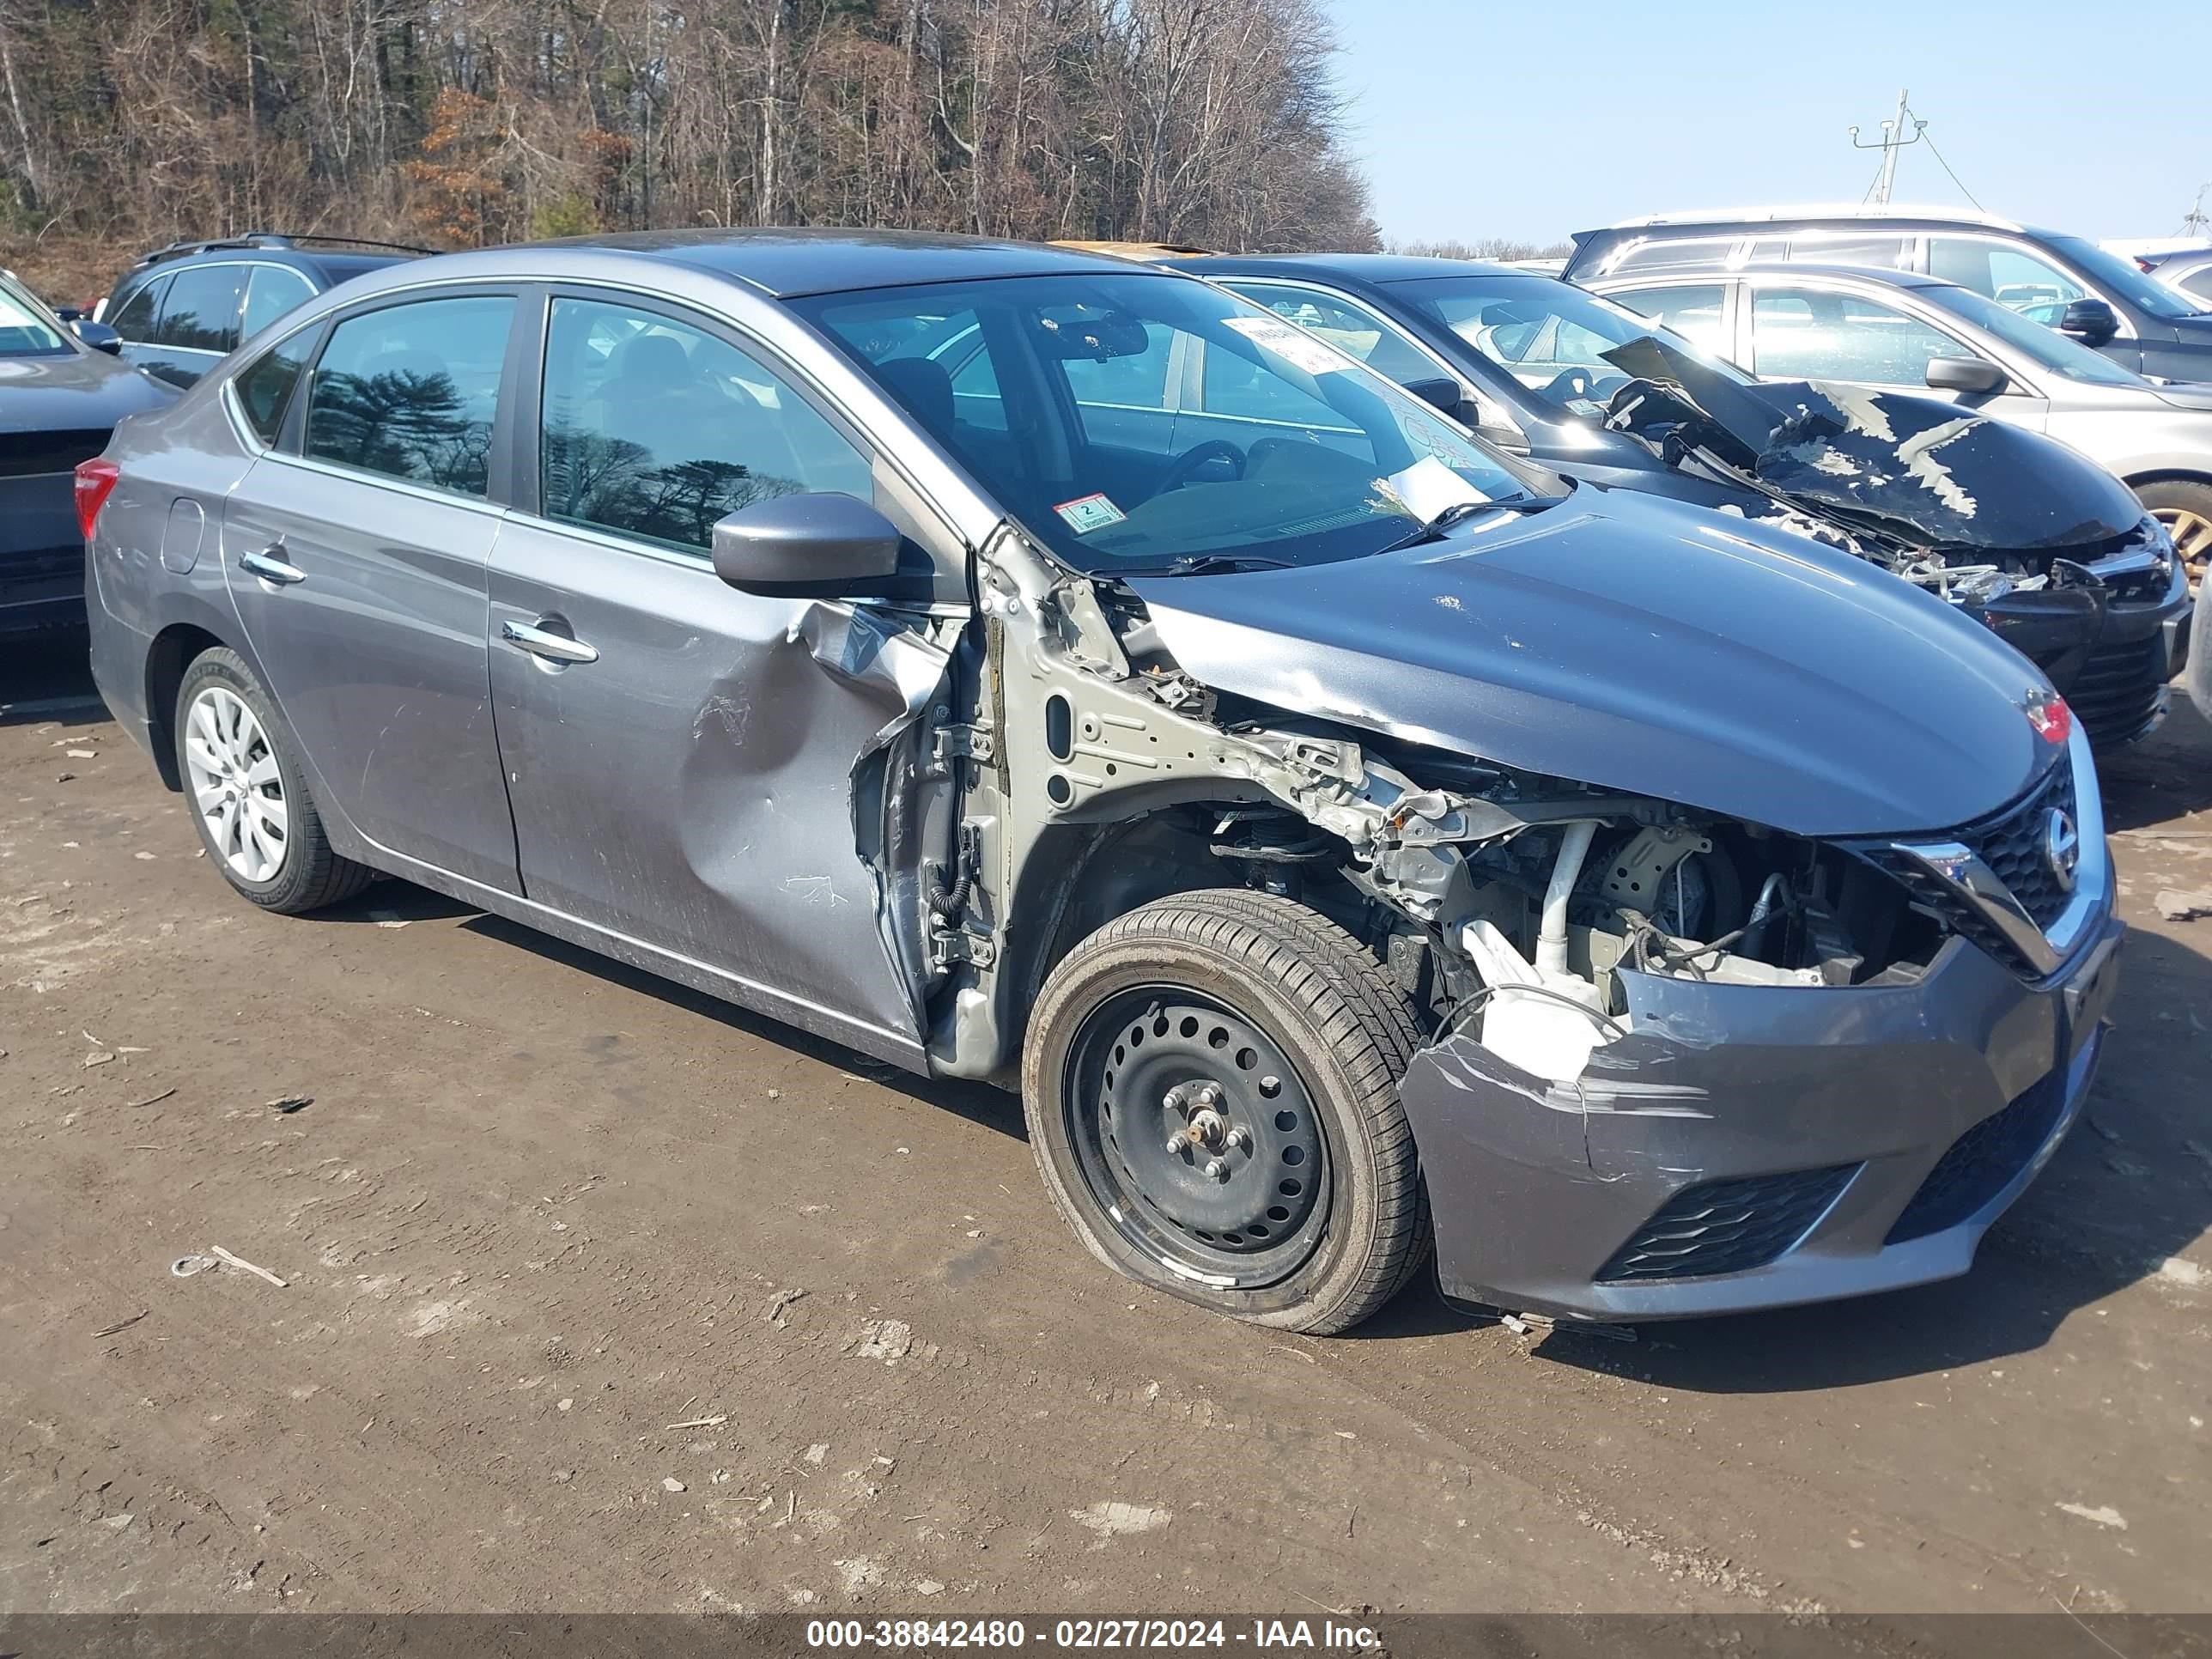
1291 344
1088 513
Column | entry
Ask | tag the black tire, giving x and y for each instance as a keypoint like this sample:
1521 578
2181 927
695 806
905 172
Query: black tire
310 875
2185 505
1305 990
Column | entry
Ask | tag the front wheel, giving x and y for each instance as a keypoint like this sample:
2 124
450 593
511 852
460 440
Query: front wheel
1211 1084
2185 508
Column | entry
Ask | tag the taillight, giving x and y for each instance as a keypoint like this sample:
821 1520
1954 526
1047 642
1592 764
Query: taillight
95 481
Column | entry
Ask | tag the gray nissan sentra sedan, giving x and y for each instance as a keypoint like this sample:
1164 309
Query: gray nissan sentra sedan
1348 839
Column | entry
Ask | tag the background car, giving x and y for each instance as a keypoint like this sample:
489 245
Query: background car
1899 330
181 308
1524 359
59 401
2089 292
2188 272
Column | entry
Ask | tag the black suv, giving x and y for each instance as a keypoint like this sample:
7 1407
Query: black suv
2091 293
182 308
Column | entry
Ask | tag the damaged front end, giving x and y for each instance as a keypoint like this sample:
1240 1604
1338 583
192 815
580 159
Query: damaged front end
1676 1059
2039 544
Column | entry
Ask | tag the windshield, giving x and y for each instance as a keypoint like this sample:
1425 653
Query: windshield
1552 337
1152 423
2046 346
2107 270
26 330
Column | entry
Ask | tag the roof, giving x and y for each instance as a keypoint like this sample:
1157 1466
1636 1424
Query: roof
788 263
1734 216
1378 268
1144 251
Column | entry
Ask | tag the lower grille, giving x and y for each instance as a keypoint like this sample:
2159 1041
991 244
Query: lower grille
2118 689
1982 1162
1727 1226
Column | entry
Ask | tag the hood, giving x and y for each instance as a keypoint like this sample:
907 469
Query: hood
2194 396
1639 645
82 391
1919 469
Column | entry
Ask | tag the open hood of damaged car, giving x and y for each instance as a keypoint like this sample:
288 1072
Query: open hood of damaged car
1919 469
1643 645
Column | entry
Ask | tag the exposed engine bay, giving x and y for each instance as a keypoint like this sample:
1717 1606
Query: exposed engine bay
1509 905
1929 491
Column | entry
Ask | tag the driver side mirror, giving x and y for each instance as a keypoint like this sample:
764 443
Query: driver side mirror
1439 391
98 335
824 546
2092 322
1972 375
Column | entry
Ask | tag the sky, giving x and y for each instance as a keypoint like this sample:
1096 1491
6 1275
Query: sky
1476 118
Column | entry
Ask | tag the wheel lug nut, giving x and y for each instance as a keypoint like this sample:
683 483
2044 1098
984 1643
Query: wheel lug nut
1241 1138
1218 1168
1178 1141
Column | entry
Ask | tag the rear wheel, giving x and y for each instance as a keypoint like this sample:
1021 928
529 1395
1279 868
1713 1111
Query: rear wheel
249 794
2185 508
1211 1086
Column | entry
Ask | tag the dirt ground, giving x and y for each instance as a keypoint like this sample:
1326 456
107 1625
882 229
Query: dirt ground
601 1295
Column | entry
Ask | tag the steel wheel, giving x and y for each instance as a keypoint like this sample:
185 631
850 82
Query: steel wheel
2192 538
235 784
1196 1135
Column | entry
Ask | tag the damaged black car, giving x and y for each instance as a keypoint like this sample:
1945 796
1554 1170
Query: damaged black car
1352 841
2019 530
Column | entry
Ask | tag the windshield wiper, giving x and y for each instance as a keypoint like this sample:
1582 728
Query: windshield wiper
1433 529
1208 564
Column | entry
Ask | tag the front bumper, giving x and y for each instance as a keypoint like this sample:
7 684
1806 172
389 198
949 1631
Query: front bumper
2110 653
1753 1146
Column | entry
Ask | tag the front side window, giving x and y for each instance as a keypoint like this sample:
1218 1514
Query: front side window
2026 334
655 428
1696 310
1298 454
2013 276
1806 334
1350 330
411 390
1551 336
201 313
135 321
271 291
26 331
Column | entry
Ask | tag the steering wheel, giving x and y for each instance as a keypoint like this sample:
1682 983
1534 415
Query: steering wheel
1581 383
1181 468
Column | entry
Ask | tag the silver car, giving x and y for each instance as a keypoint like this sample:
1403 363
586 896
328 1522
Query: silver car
1897 329
1348 838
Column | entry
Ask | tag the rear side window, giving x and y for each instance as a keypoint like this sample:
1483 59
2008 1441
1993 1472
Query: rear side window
1828 247
656 429
271 291
201 313
1670 253
2198 283
135 321
1696 310
265 387
411 391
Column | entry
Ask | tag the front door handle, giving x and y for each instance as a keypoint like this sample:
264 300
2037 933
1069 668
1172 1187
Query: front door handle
541 642
268 564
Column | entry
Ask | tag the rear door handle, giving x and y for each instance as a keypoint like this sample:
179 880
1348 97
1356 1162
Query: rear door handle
268 564
552 648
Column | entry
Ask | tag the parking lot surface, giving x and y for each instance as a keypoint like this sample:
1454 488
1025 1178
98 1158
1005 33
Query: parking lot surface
598 1295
